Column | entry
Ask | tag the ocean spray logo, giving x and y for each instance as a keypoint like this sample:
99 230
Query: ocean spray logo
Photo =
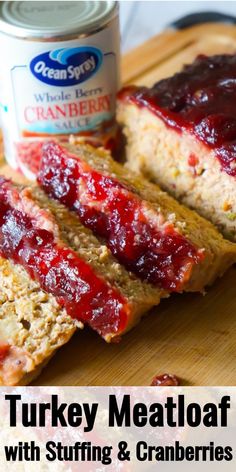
66 67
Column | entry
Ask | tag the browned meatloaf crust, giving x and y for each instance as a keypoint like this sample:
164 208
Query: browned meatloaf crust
157 205
181 133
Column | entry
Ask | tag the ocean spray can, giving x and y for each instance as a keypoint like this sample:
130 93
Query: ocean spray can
59 75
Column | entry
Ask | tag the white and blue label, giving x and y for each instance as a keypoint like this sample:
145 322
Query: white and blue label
67 67
58 88
69 91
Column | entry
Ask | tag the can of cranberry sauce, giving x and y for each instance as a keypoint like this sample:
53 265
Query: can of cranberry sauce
59 75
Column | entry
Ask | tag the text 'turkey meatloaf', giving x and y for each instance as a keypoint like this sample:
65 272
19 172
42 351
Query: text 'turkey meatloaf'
55 275
148 231
181 133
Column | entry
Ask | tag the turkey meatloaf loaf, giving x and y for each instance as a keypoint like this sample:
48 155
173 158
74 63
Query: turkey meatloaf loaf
55 275
147 230
181 133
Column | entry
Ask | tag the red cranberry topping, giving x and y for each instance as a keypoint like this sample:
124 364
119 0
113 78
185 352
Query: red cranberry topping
57 268
193 160
227 156
156 253
165 380
29 154
4 351
200 99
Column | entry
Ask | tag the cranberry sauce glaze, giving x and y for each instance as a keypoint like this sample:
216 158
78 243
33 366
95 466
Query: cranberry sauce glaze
4 351
28 236
200 99
139 237
165 380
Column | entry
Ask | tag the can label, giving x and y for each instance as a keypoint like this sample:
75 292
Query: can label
55 89
67 66
62 106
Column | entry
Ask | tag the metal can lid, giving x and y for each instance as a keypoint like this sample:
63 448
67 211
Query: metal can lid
49 19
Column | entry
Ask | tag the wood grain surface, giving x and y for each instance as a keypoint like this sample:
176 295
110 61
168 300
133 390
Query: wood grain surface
190 335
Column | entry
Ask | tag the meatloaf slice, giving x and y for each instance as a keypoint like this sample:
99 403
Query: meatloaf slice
147 230
181 133
32 325
68 262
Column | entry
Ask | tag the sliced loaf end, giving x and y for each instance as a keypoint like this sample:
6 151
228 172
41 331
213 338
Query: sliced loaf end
181 164
32 326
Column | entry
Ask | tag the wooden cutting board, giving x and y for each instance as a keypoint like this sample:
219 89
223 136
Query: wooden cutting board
190 335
